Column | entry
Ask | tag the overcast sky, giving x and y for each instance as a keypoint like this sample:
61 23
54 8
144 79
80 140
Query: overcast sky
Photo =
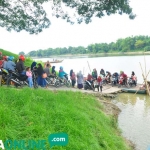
62 34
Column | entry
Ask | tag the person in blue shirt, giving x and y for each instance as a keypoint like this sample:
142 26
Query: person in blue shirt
62 73
10 65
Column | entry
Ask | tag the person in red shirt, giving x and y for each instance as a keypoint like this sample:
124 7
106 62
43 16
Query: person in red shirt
90 79
99 80
122 74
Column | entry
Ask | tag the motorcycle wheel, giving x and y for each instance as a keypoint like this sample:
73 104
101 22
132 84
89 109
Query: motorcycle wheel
68 84
85 87
57 84
11 83
35 84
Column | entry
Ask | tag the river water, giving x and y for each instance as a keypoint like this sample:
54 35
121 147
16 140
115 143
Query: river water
112 64
134 119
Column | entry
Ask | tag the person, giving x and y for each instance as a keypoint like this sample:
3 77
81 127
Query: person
124 76
108 76
79 80
10 65
100 82
29 75
33 65
3 62
41 81
102 72
47 70
45 65
20 65
89 77
53 71
134 78
73 78
0 77
116 76
62 73
94 73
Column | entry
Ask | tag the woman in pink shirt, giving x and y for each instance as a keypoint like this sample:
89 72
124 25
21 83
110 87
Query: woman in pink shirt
29 74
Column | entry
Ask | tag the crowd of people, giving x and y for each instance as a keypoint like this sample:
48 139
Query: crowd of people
7 62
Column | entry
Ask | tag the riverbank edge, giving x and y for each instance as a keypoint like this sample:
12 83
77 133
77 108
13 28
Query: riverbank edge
109 109
97 55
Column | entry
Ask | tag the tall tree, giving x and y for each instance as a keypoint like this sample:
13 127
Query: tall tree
29 15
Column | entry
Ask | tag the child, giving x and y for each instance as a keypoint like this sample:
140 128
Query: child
99 80
29 74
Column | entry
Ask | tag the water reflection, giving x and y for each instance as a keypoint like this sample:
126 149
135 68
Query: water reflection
134 120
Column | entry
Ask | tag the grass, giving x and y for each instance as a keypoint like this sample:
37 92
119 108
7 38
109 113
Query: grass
34 114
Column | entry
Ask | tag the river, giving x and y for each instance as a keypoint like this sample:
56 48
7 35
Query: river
112 64
134 119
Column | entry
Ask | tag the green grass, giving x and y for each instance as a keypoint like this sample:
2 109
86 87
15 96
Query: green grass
34 114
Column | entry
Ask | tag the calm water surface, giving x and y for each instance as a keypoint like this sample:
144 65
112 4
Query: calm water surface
134 120
112 64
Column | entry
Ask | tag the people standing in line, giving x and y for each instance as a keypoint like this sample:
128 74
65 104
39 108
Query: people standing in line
100 82
10 65
41 81
73 78
29 75
80 80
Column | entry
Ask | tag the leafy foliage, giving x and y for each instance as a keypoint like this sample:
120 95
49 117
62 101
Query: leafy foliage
129 44
23 15
29 15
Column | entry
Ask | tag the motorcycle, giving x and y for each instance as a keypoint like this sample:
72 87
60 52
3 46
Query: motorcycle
114 80
132 82
122 82
5 74
60 81
88 85
15 79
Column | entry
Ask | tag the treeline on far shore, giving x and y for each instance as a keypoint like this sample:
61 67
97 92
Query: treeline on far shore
129 44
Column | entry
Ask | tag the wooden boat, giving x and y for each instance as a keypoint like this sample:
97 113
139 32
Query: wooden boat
133 91
56 61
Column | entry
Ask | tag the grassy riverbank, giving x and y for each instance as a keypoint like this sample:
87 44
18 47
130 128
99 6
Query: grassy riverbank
34 114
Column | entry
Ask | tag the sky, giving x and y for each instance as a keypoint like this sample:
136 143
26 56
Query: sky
62 34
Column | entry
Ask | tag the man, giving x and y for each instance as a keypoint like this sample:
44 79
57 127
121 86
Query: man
10 65
20 65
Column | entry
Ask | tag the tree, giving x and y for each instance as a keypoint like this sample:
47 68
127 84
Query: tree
29 15
21 53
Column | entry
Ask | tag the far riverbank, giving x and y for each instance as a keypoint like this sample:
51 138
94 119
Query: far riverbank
97 55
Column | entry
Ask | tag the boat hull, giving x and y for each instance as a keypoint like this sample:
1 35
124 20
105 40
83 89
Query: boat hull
134 91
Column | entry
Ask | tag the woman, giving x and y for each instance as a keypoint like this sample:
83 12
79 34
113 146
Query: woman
73 78
134 78
46 64
41 81
80 80
33 65
53 71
